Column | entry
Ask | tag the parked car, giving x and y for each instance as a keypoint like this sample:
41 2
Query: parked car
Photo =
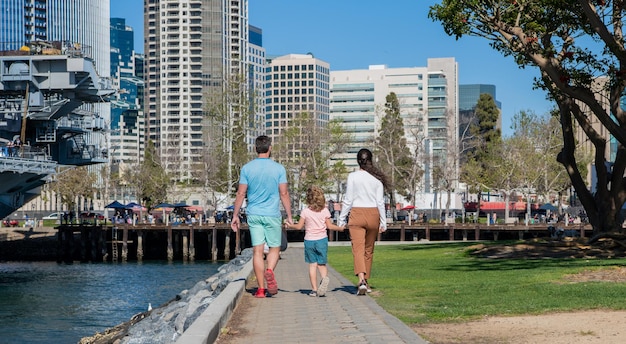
53 216
10 223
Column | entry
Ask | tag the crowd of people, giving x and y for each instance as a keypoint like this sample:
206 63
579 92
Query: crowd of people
12 148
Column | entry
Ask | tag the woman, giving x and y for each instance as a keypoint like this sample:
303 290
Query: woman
364 201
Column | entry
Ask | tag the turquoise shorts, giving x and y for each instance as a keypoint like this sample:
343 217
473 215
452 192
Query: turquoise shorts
316 251
265 230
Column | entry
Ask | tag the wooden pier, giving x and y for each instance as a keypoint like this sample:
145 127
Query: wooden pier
113 242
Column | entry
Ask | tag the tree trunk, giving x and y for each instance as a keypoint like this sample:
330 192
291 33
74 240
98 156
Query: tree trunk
604 206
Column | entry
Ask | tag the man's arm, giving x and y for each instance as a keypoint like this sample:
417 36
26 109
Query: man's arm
241 194
297 226
284 198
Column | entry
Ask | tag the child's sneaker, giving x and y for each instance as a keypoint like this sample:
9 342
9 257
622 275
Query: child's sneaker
313 293
260 293
321 290
272 286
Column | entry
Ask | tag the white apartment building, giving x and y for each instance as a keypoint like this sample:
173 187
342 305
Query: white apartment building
256 79
428 99
192 48
296 84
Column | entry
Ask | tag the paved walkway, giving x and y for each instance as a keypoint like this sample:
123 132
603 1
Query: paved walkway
292 316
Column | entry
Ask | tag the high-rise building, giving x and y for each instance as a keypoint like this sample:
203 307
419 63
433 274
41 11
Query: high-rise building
256 79
468 98
296 84
358 97
127 120
193 49
122 49
428 99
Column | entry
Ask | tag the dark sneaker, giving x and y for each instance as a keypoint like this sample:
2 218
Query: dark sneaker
362 289
260 293
272 286
321 291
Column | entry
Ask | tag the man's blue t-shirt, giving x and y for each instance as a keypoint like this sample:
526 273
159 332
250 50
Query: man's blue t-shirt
263 175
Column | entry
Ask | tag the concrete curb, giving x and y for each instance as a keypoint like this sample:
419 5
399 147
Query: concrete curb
206 328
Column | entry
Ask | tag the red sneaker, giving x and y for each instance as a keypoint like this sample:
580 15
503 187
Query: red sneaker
272 286
260 293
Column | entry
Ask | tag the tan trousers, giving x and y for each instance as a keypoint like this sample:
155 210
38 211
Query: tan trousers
363 225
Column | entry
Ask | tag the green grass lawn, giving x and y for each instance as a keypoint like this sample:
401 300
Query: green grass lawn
442 283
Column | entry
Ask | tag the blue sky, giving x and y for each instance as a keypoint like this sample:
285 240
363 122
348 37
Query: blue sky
353 34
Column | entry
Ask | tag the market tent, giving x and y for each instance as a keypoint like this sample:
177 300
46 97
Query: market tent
408 207
164 205
195 208
165 208
135 206
548 206
116 205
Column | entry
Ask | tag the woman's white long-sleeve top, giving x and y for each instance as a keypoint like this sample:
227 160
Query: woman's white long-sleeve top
363 190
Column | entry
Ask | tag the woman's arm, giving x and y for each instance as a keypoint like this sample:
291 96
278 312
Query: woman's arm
346 203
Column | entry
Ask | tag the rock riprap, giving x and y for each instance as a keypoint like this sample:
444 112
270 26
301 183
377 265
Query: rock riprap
166 323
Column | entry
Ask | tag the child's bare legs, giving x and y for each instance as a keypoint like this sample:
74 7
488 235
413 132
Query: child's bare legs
323 270
313 275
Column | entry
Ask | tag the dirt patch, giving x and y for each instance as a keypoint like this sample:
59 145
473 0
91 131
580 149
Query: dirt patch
589 327
235 329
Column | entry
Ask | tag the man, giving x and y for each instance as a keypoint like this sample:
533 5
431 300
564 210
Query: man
264 182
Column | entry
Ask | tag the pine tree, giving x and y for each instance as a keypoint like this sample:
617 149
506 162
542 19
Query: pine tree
392 152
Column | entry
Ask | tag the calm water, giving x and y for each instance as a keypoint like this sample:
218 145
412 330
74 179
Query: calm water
46 302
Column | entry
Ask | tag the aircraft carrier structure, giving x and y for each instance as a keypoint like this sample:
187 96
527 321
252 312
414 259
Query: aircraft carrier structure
47 119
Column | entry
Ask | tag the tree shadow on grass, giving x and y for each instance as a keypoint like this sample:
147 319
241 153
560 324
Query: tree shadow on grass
524 255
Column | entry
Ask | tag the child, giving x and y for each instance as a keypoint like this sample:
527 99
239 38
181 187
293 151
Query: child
316 219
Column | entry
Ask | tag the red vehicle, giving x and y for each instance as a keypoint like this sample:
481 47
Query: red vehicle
10 223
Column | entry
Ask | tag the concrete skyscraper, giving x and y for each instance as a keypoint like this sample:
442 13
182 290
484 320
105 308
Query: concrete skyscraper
468 98
296 84
428 99
193 49
127 120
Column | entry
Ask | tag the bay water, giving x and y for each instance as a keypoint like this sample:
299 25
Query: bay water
49 302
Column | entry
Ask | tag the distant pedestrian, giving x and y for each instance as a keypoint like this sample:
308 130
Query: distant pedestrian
264 183
10 149
17 145
315 219
364 201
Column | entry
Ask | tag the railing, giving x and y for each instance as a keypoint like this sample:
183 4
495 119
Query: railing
24 152
72 49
